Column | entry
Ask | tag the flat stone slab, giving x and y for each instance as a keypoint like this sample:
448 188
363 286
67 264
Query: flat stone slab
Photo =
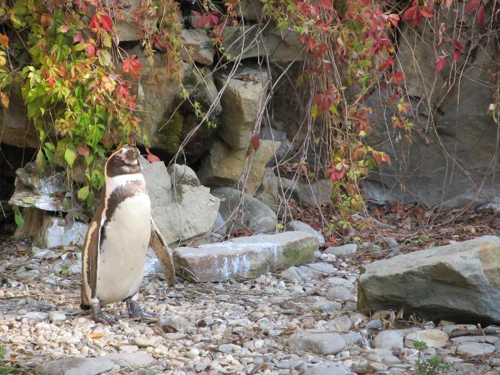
75 366
245 257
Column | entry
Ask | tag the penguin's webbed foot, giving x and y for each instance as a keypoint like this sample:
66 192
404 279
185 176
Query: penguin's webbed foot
135 312
100 317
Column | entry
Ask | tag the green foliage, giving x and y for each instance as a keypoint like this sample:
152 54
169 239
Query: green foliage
4 370
428 366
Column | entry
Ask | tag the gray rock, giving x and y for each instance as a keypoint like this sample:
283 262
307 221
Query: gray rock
183 213
341 293
353 337
15 127
327 368
374 324
458 327
344 250
389 339
383 355
298 225
323 305
378 366
242 101
183 175
292 274
176 322
224 166
245 257
54 233
463 278
198 46
322 268
57 316
75 366
475 348
313 193
463 134
130 359
36 315
486 338
245 212
339 324
35 190
220 226
280 46
324 343
250 10
434 338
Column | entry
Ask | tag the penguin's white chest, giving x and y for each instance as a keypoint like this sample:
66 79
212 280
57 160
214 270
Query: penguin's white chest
123 251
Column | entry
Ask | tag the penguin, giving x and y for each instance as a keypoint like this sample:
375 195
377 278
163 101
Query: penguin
118 239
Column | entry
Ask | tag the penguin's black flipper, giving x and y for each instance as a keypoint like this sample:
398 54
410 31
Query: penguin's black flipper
160 247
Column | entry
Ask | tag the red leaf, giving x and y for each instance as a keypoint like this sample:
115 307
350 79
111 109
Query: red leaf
4 40
426 12
449 3
440 64
256 142
480 15
107 23
472 5
409 13
132 65
94 22
458 49
152 158
90 49
83 150
397 77
52 81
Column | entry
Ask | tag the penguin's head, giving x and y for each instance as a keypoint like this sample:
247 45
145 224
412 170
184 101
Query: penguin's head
123 161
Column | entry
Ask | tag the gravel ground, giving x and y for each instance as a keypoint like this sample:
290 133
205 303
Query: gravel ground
301 320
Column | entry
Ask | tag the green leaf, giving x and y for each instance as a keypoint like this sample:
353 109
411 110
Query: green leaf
28 200
365 63
41 162
314 111
70 156
18 218
83 193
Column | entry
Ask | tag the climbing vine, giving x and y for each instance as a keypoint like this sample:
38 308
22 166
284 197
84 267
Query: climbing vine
80 87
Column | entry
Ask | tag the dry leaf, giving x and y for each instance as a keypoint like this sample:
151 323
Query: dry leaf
94 335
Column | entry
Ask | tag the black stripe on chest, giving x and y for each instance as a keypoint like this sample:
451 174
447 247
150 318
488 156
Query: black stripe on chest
119 194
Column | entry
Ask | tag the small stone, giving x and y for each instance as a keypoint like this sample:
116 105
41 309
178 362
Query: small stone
144 342
56 316
458 327
317 254
344 250
80 366
341 293
475 348
383 355
324 343
295 225
327 368
36 315
129 348
340 324
374 324
389 339
172 324
288 364
130 359
322 268
378 366
226 348
193 353
434 338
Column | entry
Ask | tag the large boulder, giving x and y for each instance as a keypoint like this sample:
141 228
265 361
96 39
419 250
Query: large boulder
15 128
243 212
223 166
242 100
198 46
245 257
451 157
182 211
280 45
457 282
168 119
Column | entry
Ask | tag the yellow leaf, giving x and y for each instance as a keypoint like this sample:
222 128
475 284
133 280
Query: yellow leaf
4 98
94 335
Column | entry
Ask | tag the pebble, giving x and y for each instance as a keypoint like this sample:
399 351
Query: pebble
344 250
475 348
434 338
301 320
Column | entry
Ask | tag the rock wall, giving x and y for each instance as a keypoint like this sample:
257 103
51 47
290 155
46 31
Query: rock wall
452 159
